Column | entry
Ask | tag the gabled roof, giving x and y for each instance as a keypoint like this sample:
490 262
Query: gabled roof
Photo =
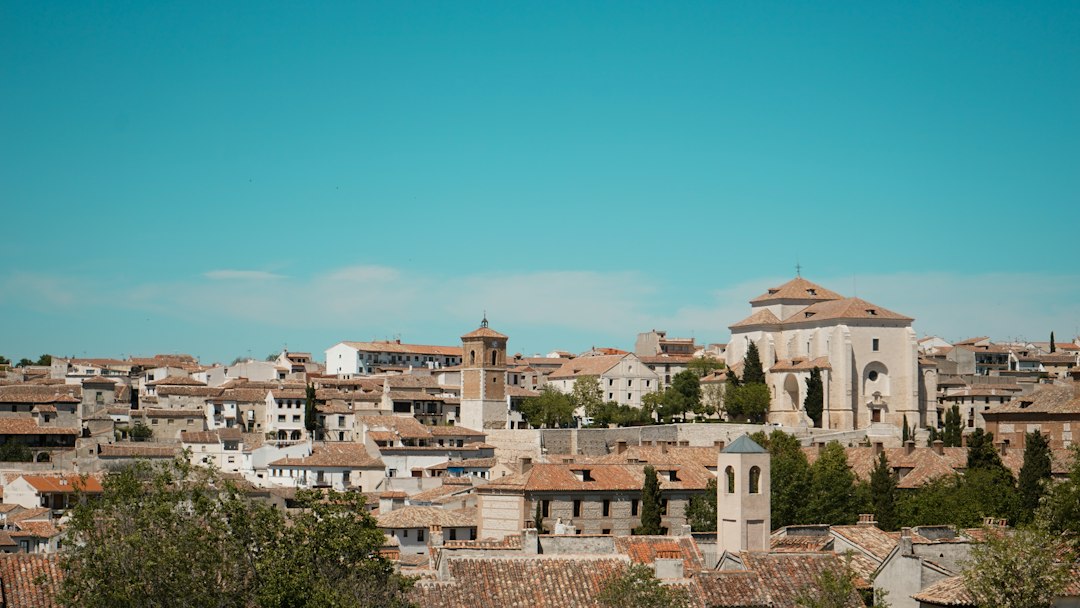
342 455
570 477
799 290
1046 400
398 347
645 549
425 517
30 580
63 484
176 381
770 580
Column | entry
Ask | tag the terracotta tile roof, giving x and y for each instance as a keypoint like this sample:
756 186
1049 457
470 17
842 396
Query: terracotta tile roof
1047 400
511 542
64 484
454 431
655 455
672 359
468 463
344 455
947 592
156 412
770 580
424 517
397 347
439 492
871 539
517 391
846 309
586 366
43 409
604 477
189 391
800 364
243 395
34 529
484 332
99 380
39 513
800 544
797 289
401 381
30 580
138 450
176 380
402 426
29 426
519 582
34 393
645 549
760 317
5 539
218 436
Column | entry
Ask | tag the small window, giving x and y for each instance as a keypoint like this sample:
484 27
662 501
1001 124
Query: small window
876 344
545 506
420 535
607 508
577 508
730 473
755 480
873 376
634 507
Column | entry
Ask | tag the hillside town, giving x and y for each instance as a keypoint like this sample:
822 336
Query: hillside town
499 478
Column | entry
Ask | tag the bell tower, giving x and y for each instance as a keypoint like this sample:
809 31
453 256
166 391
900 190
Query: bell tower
483 378
743 504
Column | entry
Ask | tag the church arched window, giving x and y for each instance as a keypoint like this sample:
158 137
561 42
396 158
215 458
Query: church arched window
755 480
730 473
494 357
472 357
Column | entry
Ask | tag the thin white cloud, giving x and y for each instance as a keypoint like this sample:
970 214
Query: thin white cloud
241 275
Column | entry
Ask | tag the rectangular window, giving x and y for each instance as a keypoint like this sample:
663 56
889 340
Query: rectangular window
545 506
607 508
420 535
633 507
577 508
876 344
663 506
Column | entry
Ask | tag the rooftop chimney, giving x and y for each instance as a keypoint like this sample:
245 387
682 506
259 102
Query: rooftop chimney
867 519
684 444
530 541
879 447
719 445
620 446
939 447
905 542
909 447
669 565
525 463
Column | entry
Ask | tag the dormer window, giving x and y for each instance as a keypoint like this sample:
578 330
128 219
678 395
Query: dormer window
812 292
583 475
773 291
809 314
872 312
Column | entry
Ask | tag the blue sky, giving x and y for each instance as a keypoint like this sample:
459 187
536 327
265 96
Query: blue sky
227 178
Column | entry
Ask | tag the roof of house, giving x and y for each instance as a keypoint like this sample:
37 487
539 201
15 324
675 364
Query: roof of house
344 454
586 366
602 477
40 393
947 592
637 454
800 364
64 484
771 580
468 463
844 309
1047 400
386 346
534 581
483 332
425 517
645 549
217 436
29 426
138 450
798 289
763 316
176 380
30 580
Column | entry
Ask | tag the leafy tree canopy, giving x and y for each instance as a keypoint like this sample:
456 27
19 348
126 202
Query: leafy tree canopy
638 587
551 409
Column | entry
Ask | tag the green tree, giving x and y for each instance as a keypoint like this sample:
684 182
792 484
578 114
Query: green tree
141 432
587 395
701 512
650 504
932 437
311 417
538 518
638 587
883 483
24 362
15 451
551 409
753 373
4 360
832 498
1034 475
953 433
44 360
653 403
789 476
834 586
1016 570
703 366
686 387
814 403
1061 506
179 535
749 402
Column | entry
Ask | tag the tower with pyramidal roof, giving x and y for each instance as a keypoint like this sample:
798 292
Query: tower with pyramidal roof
483 378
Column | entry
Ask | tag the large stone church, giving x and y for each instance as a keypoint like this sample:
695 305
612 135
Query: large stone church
868 356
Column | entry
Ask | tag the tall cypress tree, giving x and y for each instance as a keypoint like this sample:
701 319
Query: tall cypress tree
832 498
1053 347
753 373
650 504
1034 474
310 420
907 433
953 431
815 396
883 493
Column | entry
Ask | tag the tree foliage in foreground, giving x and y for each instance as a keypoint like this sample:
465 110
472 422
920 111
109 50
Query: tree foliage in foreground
551 409
638 587
178 535
835 587
701 512
1016 570
650 504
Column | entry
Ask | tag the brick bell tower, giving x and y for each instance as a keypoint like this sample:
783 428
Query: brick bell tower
483 378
